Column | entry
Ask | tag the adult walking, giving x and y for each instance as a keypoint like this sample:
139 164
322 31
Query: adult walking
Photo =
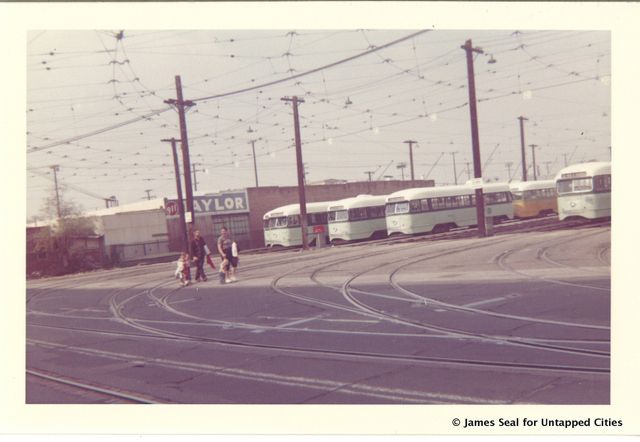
199 253
225 248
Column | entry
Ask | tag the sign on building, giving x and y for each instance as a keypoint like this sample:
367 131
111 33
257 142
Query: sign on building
214 204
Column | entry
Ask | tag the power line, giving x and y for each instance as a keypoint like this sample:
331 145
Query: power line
312 71
99 131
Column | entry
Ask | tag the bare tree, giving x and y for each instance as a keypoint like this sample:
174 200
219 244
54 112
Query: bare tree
54 240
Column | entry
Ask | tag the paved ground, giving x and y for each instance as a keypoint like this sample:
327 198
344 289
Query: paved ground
512 319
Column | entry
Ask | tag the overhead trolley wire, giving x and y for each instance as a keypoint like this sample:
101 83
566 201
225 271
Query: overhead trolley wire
312 71
282 80
99 131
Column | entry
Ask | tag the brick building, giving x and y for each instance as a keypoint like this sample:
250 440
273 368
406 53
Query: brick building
241 211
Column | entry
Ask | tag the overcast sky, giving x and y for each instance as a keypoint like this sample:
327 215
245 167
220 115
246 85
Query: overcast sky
84 89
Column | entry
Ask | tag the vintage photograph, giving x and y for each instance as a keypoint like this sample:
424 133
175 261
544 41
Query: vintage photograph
304 216
319 219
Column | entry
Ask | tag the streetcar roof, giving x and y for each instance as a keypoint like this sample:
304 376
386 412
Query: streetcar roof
358 201
532 185
294 209
585 170
422 192
430 192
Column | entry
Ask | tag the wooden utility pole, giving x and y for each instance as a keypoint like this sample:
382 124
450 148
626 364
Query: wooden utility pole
455 172
411 143
55 169
194 169
301 195
176 167
475 138
533 159
255 165
524 157
181 105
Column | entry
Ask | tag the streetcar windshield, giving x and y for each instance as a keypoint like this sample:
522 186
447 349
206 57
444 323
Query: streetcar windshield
576 185
395 208
280 221
338 215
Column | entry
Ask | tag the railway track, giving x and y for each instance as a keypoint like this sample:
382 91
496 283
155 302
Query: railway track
103 393
131 308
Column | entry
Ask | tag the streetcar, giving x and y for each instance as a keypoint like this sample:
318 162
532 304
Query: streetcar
282 225
356 218
439 209
534 198
584 190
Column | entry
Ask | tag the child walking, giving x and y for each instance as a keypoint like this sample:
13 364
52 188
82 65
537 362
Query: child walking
183 269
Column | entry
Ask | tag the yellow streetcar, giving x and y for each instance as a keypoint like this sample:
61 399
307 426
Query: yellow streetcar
534 198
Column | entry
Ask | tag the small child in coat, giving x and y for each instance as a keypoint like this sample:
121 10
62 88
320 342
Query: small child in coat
183 269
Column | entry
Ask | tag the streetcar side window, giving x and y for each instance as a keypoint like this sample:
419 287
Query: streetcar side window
602 183
464 200
424 205
293 220
517 195
357 213
375 212
498 197
438 203
314 219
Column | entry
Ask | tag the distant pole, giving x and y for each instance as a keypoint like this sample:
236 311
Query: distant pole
180 104
533 159
455 172
255 165
301 195
509 164
468 172
55 169
546 163
369 172
565 159
475 137
524 157
195 176
148 192
610 157
194 170
401 166
176 167
411 143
